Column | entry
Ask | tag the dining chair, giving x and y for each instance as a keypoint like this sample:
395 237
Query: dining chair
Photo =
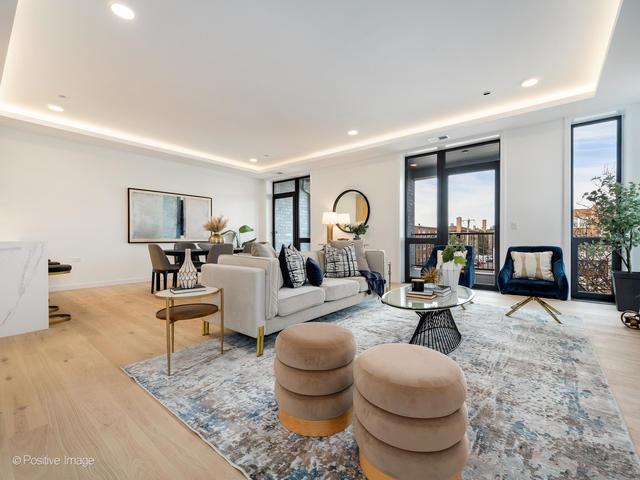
217 250
161 265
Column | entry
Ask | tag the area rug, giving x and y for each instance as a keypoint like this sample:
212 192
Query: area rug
539 404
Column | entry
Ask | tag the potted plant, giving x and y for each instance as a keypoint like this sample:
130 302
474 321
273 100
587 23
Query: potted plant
215 225
454 257
357 229
616 214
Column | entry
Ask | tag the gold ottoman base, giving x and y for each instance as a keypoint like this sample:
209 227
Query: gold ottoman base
372 473
315 428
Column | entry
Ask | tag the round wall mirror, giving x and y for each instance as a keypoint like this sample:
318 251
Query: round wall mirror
355 204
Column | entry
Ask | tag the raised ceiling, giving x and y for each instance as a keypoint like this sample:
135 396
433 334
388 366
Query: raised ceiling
224 81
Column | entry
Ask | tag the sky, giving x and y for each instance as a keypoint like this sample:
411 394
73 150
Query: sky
471 195
594 151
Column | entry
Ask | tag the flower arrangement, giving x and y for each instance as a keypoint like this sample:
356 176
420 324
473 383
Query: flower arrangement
455 251
216 224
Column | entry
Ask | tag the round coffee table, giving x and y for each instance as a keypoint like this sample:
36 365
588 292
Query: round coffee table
436 328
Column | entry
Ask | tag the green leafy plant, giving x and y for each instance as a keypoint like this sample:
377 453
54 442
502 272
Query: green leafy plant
616 214
357 228
455 245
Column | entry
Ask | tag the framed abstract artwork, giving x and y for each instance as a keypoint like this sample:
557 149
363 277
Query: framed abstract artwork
158 217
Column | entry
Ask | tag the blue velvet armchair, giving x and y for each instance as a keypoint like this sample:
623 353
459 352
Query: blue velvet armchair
467 276
535 289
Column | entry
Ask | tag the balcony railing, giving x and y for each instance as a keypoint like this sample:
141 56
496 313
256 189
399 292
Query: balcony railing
483 244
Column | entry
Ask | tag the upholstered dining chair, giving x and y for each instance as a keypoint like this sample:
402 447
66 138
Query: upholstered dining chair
535 289
219 249
468 274
161 266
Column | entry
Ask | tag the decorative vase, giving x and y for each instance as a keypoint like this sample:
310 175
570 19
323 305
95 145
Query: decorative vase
188 274
216 238
451 275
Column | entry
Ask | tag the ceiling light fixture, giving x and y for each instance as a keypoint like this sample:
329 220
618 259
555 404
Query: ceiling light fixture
253 160
122 11
55 108
352 132
530 82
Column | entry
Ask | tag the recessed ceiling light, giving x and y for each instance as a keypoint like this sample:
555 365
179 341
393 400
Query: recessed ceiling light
530 82
253 160
122 11
55 108
352 132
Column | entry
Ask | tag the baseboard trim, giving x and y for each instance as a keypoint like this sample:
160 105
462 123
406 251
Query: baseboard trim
106 283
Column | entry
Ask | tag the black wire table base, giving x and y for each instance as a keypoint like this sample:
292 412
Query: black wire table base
437 330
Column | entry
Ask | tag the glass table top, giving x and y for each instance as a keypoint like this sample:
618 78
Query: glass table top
398 298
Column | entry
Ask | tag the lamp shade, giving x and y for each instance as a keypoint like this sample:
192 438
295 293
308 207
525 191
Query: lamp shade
344 219
329 218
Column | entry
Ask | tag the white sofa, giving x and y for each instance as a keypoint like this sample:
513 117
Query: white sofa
257 304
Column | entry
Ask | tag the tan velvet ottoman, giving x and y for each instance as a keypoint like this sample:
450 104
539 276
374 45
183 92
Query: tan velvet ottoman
314 378
410 419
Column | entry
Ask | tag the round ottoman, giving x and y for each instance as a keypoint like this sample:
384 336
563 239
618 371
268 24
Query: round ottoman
314 378
410 418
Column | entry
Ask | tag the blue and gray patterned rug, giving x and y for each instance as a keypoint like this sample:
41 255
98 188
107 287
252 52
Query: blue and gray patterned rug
539 404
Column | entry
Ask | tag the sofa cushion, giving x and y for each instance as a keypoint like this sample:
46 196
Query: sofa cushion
292 267
337 288
292 300
362 283
315 276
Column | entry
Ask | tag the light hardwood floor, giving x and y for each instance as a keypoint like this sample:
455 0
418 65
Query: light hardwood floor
62 391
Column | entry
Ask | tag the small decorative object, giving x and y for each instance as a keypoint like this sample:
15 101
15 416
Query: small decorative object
215 225
431 275
417 285
454 257
357 229
188 274
631 319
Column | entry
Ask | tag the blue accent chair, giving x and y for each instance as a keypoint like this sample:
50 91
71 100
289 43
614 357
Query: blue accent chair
535 289
468 274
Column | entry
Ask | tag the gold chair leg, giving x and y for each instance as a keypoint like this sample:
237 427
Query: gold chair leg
519 305
553 309
260 342
546 306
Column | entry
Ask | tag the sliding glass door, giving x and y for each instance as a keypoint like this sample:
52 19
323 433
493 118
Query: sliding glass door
454 192
595 149
292 213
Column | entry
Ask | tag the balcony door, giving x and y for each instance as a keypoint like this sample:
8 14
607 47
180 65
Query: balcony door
292 213
454 192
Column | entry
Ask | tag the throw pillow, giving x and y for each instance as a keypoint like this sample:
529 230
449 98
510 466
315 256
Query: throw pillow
292 267
314 272
532 265
361 258
340 262
263 250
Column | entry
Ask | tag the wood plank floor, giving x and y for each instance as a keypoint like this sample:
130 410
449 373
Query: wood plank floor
62 391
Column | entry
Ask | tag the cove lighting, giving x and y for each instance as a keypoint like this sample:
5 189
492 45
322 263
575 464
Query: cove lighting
253 160
122 11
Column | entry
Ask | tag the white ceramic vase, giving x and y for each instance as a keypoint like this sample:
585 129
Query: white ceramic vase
188 274
451 275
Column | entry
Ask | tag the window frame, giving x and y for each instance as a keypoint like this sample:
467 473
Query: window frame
295 194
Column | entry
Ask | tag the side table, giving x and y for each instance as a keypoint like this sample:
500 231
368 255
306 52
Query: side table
173 313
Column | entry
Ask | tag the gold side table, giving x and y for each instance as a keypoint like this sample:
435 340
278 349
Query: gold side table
173 313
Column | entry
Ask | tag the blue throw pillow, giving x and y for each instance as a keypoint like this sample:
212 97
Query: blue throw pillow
314 272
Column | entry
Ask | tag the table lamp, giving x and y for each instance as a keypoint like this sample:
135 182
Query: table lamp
329 219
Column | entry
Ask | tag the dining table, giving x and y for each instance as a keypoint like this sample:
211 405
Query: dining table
178 254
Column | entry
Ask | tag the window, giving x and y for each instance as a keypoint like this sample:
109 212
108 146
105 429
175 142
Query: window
292 213
595 149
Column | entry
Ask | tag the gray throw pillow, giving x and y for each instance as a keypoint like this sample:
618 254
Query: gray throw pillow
263 250
359 248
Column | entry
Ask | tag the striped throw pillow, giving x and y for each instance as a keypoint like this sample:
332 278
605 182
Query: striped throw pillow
535 265
292 267
340 262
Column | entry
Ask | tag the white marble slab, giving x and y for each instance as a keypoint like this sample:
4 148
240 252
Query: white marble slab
23 288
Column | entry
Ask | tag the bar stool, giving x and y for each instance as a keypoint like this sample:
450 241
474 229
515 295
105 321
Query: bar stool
56 268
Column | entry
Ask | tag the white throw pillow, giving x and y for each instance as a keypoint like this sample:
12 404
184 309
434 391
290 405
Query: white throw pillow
536 265
340 262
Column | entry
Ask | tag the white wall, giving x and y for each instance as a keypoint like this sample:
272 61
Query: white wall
73 196
382 181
